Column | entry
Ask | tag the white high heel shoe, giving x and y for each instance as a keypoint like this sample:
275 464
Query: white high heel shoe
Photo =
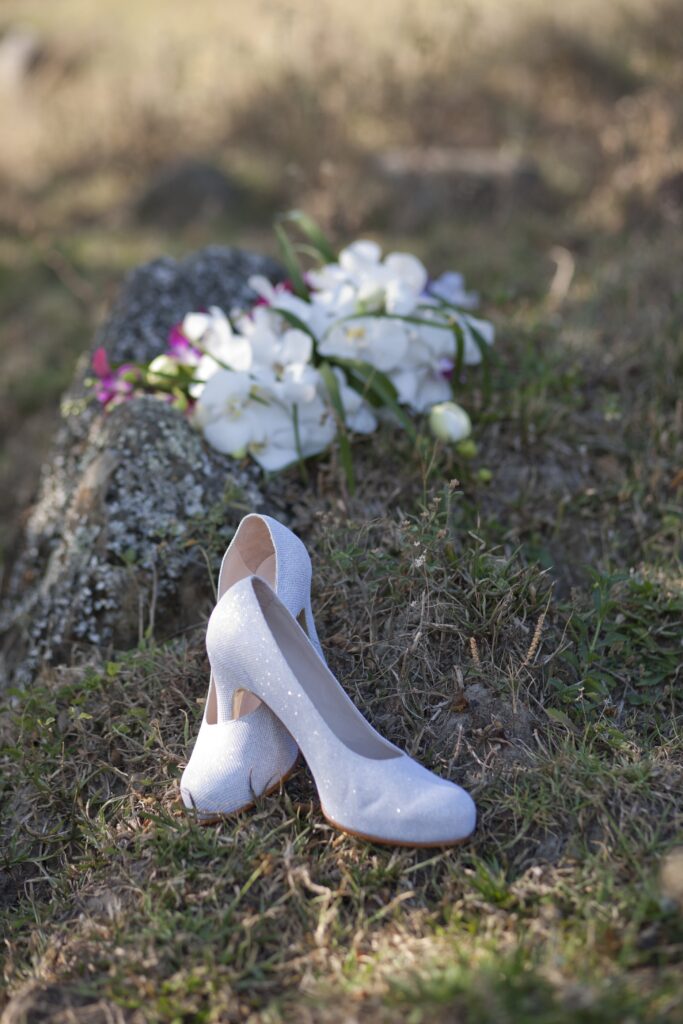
367 786
242 750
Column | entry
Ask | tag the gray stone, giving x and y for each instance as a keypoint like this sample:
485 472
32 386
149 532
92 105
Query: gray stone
159 294
131 500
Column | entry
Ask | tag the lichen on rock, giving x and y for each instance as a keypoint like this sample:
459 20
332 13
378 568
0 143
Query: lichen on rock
132 502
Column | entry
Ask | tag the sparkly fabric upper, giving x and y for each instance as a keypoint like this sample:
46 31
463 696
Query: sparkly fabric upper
389 797
234 762
235 759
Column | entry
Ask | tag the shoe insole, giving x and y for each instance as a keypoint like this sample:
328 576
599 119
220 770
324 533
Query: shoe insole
243 702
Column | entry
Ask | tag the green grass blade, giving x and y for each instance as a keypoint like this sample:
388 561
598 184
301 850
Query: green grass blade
291 262
456 376
294 321
376 384
313 233
297 441
332 385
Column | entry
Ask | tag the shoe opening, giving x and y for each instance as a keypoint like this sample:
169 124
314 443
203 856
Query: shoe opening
336 709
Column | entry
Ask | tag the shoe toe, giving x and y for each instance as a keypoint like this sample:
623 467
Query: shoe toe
460 813
235 762
412 807
447 815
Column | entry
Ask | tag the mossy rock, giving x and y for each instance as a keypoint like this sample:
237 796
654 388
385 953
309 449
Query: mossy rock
131 501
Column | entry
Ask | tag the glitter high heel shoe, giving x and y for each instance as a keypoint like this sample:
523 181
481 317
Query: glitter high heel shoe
367 786
242 750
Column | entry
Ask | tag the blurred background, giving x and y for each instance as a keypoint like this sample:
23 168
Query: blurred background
535 147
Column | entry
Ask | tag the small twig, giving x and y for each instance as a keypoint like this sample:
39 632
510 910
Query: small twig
562 278
474 650
209 567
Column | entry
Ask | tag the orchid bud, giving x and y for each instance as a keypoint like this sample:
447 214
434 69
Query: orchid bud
466 449
161 370
449 422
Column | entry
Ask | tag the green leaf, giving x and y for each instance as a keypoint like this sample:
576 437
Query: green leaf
294 321
445 325
367 380
445 304
297 441
313 233
290 261
332 385
459 336
559 716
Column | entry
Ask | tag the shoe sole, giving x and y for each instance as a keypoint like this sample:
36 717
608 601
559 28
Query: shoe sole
394 842
214 819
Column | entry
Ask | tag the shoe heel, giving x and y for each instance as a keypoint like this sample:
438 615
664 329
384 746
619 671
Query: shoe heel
367 785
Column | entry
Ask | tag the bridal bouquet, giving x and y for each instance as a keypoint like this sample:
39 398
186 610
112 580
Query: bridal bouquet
322 356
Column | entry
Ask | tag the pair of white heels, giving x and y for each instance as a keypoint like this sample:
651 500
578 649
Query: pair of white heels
271 693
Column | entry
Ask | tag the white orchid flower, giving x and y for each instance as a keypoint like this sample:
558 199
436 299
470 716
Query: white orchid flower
406 278
419 387
358 415
472 354
284 356
449 422
377 284
298 383
357 283
361 281
451 287
287 439
195 326
328 278
441 340
221 347
430 344
280 297
265 289
271 348
359 258
243 414
227 414
213 332
382 343
295 347
329 307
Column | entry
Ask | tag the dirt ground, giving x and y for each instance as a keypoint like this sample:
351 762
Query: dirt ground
522 636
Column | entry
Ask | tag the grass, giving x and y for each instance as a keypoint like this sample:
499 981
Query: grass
555 908
521 636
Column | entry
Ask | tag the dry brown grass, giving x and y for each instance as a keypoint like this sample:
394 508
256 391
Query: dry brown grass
462 618
275 916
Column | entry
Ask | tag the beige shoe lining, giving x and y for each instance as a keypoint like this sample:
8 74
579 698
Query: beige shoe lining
252 555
